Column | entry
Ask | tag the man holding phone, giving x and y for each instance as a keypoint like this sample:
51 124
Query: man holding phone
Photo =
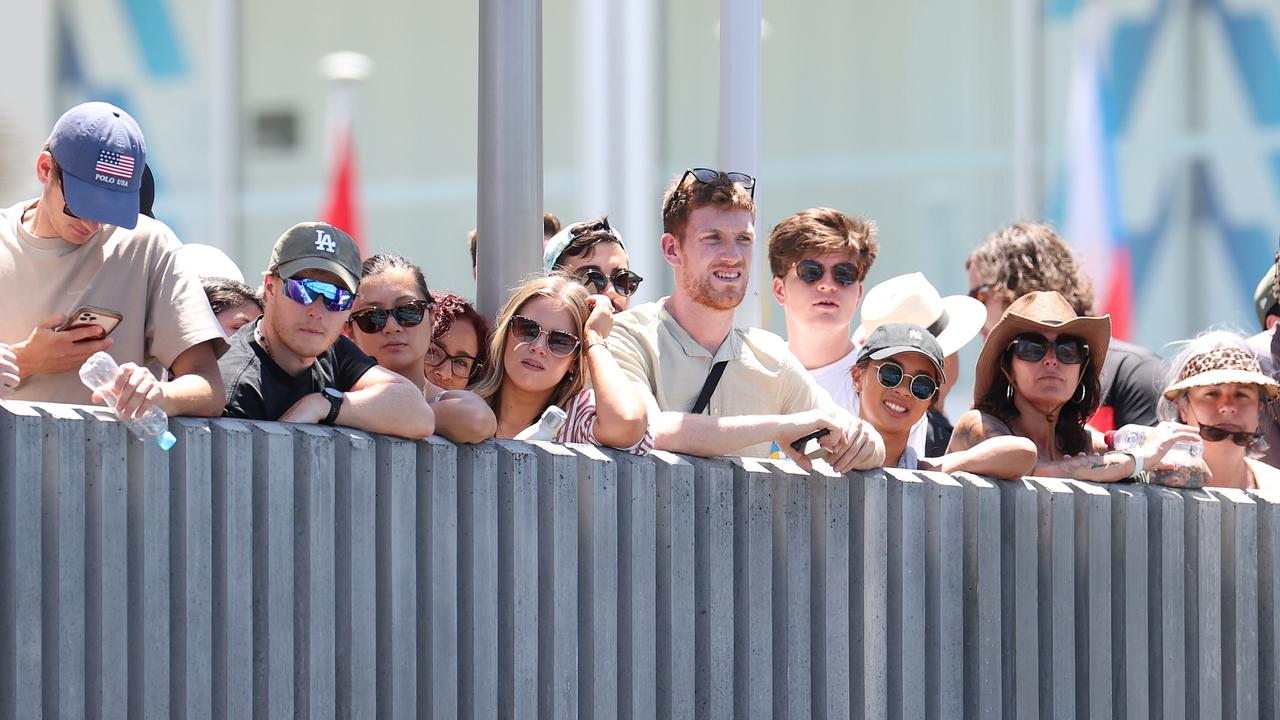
81 271
713 388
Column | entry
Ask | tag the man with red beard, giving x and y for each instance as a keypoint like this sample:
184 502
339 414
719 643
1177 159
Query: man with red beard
713 388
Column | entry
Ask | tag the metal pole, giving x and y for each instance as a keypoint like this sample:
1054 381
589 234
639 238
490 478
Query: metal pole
640 207
29 108
509 227
224 145
740 120
1025 31
595 128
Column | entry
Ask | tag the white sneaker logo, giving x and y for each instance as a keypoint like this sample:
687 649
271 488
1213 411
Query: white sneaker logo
324 241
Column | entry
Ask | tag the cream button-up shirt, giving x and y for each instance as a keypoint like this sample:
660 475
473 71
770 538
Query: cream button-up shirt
762 377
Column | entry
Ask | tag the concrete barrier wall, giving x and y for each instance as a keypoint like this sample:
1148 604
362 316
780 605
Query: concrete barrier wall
263 570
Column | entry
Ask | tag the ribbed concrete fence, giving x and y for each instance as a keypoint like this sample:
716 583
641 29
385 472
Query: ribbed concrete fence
271 571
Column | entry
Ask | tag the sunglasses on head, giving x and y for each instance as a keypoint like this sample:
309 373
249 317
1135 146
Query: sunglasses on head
1032 347
460 366
623 280
707 175
410 314
559 342
305 291
891 375
811 271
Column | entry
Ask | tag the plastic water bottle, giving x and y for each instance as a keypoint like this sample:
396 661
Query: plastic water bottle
98 372
547 427
1133 436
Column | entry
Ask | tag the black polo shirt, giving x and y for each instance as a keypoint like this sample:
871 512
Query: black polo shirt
257 389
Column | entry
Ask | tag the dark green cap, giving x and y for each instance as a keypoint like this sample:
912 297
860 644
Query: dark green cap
317 246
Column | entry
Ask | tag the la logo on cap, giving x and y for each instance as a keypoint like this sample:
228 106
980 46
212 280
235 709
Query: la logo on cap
324 241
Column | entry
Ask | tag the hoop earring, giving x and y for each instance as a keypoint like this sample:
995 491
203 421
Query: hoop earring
1008 392
1080 400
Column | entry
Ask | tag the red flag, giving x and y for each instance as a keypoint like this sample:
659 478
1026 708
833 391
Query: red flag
342 201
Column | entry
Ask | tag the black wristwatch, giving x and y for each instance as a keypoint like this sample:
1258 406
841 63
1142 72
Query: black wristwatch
334 397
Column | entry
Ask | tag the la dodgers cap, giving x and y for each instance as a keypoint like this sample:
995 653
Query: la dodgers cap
102 153
317 246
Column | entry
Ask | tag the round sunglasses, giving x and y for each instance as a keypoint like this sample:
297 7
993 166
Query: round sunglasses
891 375
410 314
1032 347
623 280
811 271
559 342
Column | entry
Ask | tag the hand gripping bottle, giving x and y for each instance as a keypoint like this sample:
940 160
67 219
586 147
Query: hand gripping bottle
547 427
1132 437
99 371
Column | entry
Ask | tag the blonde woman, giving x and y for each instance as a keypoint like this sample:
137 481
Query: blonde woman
550 338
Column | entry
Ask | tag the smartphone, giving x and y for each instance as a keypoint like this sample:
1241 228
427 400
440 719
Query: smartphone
799 444
87 315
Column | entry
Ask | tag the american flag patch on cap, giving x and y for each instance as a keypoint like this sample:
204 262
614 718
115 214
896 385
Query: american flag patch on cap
114 164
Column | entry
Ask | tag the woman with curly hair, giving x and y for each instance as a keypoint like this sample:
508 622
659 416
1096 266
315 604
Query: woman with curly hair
1037 377
458 339
551 336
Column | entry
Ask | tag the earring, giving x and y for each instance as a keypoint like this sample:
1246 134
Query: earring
1008 392
1080 400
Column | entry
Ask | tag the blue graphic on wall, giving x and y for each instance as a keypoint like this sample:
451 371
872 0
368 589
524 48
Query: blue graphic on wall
1256 60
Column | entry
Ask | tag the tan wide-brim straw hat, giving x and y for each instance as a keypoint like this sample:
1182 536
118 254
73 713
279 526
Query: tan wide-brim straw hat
1041 311
1221 366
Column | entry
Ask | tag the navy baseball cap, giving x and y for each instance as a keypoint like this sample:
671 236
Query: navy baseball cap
102 155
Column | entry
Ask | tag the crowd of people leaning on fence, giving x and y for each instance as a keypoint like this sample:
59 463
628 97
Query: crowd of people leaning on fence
333 338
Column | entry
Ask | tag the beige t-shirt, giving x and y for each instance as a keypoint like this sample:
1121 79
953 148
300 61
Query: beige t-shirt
762 377
133 272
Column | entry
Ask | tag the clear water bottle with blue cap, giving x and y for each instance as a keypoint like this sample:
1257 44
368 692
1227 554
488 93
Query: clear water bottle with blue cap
98 373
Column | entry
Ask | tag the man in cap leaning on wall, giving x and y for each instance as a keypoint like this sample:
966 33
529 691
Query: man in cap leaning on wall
293 364
82 244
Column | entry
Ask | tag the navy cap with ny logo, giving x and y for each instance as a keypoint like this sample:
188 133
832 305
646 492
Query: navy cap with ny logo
317 246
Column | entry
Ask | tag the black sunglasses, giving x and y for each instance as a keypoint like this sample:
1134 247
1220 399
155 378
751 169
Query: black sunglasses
623 280
1213 433
980 293
891 375
811 271
1032 347
462 367
527 330
410 314
707 175
66 209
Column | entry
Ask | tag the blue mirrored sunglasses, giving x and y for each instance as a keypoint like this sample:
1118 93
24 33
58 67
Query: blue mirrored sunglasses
305 291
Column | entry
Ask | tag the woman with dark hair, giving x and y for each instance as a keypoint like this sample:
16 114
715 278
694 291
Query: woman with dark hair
552 336
592 253
391 321
1038 377
458 339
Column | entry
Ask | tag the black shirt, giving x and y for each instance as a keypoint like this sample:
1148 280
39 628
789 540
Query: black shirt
1132 378
257 389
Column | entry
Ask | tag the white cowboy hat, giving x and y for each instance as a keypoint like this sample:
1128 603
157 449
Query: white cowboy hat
911 298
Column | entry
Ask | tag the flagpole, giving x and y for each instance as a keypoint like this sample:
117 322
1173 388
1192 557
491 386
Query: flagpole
343 71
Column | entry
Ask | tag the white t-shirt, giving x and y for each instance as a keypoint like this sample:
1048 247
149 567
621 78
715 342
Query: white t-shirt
837 380
133 272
